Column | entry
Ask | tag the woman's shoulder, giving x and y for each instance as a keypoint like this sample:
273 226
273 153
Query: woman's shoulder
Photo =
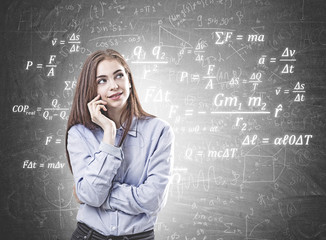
81 130
154 127
153 122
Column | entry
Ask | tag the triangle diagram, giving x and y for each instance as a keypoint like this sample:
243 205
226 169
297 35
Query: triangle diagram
168 39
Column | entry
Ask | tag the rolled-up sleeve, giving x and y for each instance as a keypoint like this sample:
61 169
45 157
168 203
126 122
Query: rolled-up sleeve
93 170
150 196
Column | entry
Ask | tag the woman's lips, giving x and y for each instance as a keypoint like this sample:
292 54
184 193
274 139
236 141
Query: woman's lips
115 96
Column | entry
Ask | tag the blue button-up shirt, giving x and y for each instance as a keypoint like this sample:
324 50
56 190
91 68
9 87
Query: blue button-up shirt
122 188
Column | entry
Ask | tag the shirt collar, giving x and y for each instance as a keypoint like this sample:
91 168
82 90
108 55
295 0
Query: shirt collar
133 127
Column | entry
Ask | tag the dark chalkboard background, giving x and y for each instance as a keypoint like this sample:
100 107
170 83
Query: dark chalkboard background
242 82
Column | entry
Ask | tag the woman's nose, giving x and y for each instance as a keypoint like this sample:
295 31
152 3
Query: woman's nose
112 85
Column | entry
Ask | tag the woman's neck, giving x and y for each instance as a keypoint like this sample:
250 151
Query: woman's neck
114 116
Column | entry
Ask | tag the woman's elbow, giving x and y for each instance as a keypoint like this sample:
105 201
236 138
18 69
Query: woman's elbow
154 202
91 196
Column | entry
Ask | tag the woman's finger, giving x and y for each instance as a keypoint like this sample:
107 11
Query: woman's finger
94 103
100 102
96 98
99 107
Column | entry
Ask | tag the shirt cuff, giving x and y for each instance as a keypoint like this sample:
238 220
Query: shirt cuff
112 150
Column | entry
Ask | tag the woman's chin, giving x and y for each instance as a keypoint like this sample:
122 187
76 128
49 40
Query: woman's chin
116 105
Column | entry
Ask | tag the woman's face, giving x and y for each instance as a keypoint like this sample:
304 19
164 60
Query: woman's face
112 84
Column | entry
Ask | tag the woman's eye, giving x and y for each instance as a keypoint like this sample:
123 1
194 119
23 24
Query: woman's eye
120 75
101 81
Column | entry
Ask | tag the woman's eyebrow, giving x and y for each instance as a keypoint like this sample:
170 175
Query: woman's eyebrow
117 71
100 76
112 73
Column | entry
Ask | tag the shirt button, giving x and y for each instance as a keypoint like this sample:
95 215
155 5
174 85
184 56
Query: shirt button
113 228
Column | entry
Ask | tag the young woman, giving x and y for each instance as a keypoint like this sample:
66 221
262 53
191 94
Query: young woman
120 156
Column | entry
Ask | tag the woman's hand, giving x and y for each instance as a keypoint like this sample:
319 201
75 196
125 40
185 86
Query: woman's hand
75 195
94 107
